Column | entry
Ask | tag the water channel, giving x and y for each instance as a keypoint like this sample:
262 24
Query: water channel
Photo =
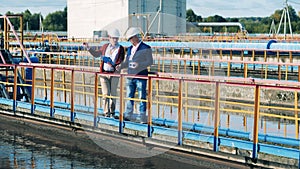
22 145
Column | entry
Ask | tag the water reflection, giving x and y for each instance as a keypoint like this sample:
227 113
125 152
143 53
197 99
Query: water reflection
20 151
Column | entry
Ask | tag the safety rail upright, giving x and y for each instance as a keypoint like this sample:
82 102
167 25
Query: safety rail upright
12 74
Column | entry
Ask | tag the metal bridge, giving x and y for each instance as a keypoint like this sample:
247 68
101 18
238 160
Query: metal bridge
203 100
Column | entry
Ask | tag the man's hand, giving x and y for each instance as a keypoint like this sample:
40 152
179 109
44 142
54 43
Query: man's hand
133 65
85 44
118 68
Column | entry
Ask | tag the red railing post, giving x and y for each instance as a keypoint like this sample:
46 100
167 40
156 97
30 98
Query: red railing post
52 94
72 95
217 117
96 100
149 107
121 126
32 90
255 125
180 134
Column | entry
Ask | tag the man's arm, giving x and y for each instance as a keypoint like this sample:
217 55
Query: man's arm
95 53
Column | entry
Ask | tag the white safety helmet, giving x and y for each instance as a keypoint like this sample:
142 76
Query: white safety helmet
132 32
113 33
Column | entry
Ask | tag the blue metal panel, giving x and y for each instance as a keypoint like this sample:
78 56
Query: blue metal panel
165 131
170 123
279 151
6 101
237 133
24 105
159 121
135 126
199 137
230 142
279 140
109 121
205 129
41 108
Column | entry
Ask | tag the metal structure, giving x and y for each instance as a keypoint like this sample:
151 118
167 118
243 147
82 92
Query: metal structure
204 98
286 17
223 24
63 95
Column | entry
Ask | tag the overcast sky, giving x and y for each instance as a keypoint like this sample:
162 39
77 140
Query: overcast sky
238 8
204 8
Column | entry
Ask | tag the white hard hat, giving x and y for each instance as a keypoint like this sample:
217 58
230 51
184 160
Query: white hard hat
113 33
132 32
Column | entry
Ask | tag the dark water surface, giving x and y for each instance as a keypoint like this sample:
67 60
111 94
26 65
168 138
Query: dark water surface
18 151
33 146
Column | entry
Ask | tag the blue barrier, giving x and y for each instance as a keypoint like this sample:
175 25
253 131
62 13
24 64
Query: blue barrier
204 129
193 134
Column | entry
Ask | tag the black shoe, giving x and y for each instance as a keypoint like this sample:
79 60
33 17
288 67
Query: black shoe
112 114
143 119
107 114
127 117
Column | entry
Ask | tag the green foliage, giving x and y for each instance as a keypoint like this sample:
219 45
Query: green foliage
192 17
215 18
56 21
251 24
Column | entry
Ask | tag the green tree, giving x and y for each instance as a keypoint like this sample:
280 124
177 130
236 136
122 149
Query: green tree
233 19
27 19
35 18
192 17
215 18
56 21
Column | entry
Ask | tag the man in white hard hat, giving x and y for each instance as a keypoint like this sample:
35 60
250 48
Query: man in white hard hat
112 54
138 59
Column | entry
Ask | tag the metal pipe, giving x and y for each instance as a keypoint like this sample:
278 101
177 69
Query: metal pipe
33 90
217 117
72 114
52 94
255 125
96 100
180 133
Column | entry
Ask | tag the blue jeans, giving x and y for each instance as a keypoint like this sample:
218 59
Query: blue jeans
140 85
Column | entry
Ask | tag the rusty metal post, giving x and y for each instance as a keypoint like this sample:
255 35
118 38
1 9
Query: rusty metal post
150 92
96 100
245 70
180 134
32 90
121 126
217 117
72 95
15 89
255 125
52 94
296 115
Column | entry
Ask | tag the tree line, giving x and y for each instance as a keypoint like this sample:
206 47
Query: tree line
251 24
57 21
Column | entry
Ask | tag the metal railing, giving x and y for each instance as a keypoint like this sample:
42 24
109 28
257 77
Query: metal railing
210 105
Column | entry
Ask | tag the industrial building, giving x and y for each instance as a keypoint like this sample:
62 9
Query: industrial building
91 18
